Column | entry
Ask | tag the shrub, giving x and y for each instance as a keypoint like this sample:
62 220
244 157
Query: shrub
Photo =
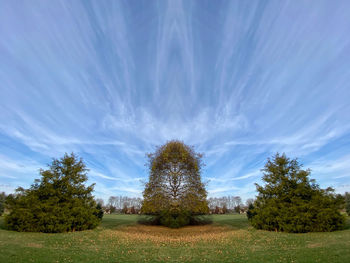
166 219
58 202
250 212
174 219
291 202
237 209
99 212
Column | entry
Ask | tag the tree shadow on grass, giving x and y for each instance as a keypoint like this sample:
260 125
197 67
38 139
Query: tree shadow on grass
2 223
114 221
148 220
198 220
108 222
347 223
235 221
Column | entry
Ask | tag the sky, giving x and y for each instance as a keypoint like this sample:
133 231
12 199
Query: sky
111 80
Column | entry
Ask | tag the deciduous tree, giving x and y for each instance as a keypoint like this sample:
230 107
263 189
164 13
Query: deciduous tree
175 187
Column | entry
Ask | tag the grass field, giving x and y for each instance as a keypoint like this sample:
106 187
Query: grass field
120 239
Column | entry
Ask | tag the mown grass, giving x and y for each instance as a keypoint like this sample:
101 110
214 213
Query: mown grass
120 239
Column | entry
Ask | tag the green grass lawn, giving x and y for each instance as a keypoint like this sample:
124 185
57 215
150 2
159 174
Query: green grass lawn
120 239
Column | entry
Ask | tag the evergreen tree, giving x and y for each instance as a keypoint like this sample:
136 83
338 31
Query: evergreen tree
99 212
347 203
58 202
224 209
237 209
112 209
125 209
217 210
2 202
250 213
291 202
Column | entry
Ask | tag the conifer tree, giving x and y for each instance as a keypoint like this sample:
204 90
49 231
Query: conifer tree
3 197
291 202
58 202
347 203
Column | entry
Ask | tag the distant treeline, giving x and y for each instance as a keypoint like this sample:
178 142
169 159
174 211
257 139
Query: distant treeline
228 204
132 205
121 204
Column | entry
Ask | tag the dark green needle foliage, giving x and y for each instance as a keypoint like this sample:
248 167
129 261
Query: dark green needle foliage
175 194
291 202
2 202
99 212
58 202
347 203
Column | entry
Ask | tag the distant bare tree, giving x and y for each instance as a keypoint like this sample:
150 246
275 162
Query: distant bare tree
100 201
249 202
118 203
227 202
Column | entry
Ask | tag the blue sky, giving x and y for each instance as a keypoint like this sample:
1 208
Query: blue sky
110 80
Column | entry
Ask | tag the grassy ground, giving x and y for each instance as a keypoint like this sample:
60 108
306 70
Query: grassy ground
121 239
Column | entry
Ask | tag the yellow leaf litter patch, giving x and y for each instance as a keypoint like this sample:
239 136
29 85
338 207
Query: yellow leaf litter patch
36 245
188 234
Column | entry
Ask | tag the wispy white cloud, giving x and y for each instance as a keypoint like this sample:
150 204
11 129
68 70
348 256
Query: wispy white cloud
110 81
336 168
